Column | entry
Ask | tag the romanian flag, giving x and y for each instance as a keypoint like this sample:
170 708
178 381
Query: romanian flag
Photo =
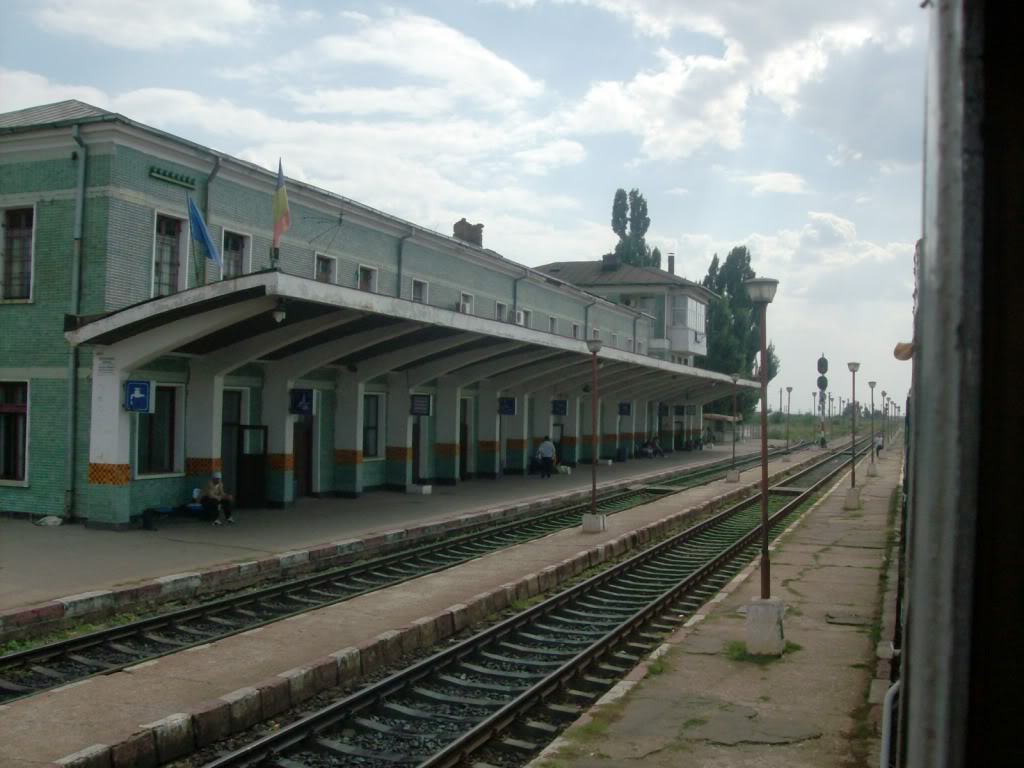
282 216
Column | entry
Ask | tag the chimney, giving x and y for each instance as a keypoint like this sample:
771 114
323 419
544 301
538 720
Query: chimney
470 233
609 262
671 263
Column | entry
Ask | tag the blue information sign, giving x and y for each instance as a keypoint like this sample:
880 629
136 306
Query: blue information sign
506 406
300 402
419 405
625 408
138 396
559 407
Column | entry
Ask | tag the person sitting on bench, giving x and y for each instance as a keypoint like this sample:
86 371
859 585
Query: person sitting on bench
216 501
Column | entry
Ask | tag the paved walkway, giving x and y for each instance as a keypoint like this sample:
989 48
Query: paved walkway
108 709
39 563
702 706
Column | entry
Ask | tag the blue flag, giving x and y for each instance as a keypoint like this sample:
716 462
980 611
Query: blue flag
202 234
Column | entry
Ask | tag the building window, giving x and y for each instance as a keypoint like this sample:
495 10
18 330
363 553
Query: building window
639 347
158 439
501 312
466 303
552 325
678 310
419 291
527 318
615 341
326 269
368 279
166 261
17 254
575 330
595 333
695 316
629 345
234 254
371 426
13 430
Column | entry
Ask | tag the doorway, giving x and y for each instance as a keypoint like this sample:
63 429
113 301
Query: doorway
463 439
250 449
302 447
417 476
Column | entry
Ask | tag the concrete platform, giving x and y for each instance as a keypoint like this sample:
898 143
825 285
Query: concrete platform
111 710
701 705
92 560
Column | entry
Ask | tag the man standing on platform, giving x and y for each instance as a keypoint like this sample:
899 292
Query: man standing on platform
546 454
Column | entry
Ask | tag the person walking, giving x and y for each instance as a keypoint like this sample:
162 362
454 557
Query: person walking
546 455
216 501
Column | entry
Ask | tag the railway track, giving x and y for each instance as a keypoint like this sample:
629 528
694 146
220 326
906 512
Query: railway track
32 671
508 690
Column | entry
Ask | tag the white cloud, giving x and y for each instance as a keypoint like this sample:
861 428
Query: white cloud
775 182
405 100
151 25
20 90
678 191
539 160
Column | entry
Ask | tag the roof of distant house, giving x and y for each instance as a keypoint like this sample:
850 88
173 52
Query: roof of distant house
595 273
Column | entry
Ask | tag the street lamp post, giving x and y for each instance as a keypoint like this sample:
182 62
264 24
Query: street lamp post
872 469
789 401
762 291
885 417
853 495
764 616
594 346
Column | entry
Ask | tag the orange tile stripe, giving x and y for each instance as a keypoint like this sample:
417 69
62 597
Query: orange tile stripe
398 453
446 449
281 462
516 444
344 456
201 466
568 440
489 446
109 474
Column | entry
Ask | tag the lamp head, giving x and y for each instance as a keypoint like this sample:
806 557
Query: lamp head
761 289
789 389
854 367
872 384
883 393
594 346
735 377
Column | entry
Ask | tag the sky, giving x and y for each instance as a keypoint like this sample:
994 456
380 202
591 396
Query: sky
793 127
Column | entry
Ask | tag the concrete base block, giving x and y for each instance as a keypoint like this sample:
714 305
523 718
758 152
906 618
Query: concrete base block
852 500
732 476
605 462
96 756
872 469
595 523
764 627
173 737
419 490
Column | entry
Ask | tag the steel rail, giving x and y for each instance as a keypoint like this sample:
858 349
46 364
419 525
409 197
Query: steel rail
293 736
249 609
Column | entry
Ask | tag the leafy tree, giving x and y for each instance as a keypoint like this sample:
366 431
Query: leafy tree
630 222
733 327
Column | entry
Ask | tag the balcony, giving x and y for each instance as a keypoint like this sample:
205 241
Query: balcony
686 341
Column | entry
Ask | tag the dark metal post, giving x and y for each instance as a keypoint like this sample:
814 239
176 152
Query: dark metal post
766 590
853 431
733 465
872 385
593 436
789 402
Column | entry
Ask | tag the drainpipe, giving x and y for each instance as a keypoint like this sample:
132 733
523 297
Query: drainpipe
636 319
586 320
515 291
74 308
401 255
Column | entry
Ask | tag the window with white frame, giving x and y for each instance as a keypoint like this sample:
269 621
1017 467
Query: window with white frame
501 312
615 341
235 254
575 330
695 315
367 279
167 256
629 345
371 426
13 430
419 291
159 444
552 325
595 333
527 318
639 347
466 303
16 257
678 310
326 269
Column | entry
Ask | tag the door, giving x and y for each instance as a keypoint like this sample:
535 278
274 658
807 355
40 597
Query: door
417 477
302 447
251 453
463 439
230 421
